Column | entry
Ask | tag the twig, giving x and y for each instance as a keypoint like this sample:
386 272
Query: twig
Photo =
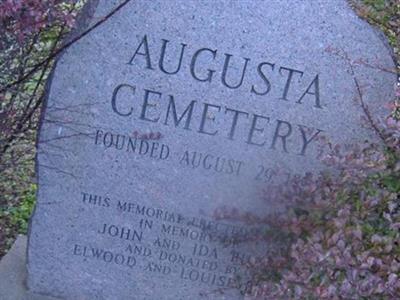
344 55
367 113
65 46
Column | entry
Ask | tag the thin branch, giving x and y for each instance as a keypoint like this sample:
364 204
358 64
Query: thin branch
65 46
367 112
42 75
344 55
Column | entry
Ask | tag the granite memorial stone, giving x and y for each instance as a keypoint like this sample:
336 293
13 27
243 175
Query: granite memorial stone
172 109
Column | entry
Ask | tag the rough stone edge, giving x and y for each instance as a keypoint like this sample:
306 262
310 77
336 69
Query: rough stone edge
12 271
378 32
13 274
382 36
82 23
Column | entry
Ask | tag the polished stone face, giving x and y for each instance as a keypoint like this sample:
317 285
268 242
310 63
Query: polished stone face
173 109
